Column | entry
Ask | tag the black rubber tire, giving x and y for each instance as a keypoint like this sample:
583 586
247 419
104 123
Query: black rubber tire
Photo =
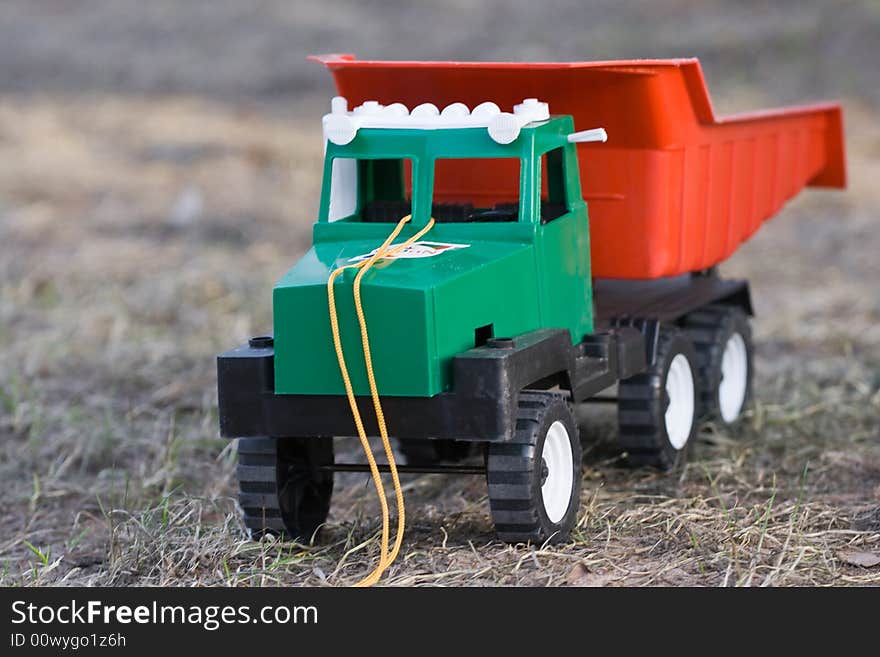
642 404
514 471
710 328
432 452
281 492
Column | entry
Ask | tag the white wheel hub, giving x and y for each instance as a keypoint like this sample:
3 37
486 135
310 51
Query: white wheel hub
734 378
557 466
679 416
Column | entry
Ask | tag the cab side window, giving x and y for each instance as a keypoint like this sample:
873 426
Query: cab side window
554 201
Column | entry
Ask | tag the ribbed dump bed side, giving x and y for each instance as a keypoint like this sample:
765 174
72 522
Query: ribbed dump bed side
675 188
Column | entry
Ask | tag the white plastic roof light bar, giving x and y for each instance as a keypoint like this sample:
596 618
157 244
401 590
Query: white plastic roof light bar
341 126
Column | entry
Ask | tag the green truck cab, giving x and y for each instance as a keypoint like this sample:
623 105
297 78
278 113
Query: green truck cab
483 334
498 272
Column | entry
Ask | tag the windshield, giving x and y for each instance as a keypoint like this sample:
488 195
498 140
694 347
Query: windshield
476 189
465 190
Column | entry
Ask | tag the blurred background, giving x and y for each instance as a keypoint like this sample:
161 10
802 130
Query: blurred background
159 171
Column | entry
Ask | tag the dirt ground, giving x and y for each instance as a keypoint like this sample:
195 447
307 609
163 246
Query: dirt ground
159 167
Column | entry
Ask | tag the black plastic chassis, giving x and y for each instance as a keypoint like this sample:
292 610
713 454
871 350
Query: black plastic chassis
482 406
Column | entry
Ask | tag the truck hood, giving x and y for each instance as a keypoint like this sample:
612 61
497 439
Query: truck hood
421 311
427 264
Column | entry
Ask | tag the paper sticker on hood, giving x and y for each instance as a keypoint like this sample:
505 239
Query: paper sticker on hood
416 250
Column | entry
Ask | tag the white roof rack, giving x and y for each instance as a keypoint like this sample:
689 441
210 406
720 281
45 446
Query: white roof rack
341 126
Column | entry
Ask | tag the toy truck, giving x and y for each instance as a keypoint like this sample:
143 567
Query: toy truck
517 304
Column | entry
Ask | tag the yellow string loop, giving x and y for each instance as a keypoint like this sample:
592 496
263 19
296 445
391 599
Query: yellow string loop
384 251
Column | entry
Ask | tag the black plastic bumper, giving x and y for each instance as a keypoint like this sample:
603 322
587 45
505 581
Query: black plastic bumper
482 408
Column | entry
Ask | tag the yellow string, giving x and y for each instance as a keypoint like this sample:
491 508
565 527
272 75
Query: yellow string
383 251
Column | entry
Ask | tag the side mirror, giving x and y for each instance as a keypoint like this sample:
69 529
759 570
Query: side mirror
596 134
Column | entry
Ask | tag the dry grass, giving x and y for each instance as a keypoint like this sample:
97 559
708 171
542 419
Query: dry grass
140 237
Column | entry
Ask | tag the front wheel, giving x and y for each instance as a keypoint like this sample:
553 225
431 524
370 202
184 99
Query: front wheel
285 486
535 480
657 410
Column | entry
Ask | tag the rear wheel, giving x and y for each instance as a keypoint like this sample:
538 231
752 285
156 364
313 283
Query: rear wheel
535 480
657 410
723 340
282 488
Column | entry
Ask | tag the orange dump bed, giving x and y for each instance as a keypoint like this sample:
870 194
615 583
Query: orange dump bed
675 188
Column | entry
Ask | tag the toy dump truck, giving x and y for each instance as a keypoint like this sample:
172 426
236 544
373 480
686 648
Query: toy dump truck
517 304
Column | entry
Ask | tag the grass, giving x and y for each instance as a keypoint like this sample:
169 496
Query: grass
141 237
